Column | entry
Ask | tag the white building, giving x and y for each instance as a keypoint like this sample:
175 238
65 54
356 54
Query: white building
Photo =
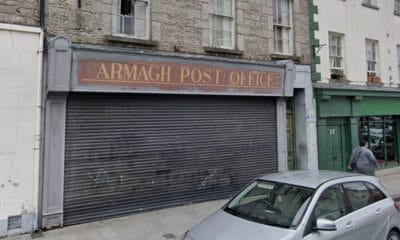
356 32
20 110
358 58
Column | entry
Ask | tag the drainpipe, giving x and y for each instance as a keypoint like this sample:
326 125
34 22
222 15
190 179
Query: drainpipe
39 116
38 130
42 14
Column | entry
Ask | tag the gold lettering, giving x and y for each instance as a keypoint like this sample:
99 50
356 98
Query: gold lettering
196 75
263 81
217 76
243 78
235 78
270 82
130 72
207 76
185 72
116 71
165 74
253 77
154 76
143 74
103 73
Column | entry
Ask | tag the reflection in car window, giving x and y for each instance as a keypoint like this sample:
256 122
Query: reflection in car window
358 194
271 203
376 194
330 204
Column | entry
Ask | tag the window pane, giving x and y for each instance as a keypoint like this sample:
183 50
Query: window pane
270 203
132 19
330 204
335 50
357 194
227 32
377 195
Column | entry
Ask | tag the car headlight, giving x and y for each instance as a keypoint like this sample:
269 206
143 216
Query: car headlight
185 236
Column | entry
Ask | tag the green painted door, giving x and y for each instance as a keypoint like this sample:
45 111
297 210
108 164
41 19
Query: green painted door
290 128
334 148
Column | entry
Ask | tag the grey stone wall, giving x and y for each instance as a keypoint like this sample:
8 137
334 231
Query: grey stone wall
21 12
180 25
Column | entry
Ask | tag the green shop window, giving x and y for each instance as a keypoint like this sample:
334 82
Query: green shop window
382 134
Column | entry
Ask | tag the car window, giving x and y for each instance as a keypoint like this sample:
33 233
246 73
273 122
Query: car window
376 194
358 194
330 204
271 203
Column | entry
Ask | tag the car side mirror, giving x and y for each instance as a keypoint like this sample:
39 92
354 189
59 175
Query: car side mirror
325 225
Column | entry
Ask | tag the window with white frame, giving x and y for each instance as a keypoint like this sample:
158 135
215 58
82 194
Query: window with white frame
398 61
370 2
336 53
221 23
397 6
131 18
283 26
371 47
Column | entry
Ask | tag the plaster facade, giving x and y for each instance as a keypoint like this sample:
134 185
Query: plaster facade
20 139
358 22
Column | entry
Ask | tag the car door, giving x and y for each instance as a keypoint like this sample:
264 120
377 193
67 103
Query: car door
331 205
369 211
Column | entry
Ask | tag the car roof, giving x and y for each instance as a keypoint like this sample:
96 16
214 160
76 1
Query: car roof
308 178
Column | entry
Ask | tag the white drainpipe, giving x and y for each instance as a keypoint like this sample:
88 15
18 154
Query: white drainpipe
38 127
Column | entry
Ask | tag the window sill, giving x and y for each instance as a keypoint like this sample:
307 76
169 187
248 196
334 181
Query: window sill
370 6
144 42
222 51
397 13
280 56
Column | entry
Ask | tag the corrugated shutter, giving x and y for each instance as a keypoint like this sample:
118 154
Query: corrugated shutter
129 153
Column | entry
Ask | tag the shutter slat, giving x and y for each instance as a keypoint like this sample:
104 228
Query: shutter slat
132 153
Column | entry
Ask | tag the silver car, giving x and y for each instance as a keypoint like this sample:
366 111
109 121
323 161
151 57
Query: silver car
305 205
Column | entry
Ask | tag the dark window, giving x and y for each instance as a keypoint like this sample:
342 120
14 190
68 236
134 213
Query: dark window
358 194
381 135
330 204
376 194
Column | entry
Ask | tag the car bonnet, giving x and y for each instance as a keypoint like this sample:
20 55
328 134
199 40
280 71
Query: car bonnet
224 226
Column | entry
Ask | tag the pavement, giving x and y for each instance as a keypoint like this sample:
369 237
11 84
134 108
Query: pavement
166 224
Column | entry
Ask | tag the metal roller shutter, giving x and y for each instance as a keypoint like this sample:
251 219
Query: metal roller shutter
129 153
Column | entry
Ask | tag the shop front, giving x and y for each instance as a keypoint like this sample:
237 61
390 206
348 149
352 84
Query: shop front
344 115
130 131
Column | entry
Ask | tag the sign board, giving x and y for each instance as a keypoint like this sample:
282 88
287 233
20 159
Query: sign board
158 76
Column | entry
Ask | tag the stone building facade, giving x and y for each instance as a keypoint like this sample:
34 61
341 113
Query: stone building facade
20 12
149 104
181 26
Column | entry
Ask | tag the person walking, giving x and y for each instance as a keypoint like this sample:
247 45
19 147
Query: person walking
362 159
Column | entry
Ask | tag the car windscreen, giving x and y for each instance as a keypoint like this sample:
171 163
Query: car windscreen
271 203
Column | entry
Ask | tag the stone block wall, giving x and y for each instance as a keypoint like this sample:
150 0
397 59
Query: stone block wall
180 25
20 12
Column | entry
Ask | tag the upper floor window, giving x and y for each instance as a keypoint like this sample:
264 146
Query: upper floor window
336 55
398 61
397 6
131 18
371 47
221 23
283 26
370 2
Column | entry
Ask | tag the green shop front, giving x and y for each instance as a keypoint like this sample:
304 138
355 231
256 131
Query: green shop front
346 114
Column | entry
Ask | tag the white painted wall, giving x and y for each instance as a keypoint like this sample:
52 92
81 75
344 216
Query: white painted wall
357 23
19 73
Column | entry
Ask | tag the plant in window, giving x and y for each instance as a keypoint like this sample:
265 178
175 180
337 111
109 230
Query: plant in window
337 74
